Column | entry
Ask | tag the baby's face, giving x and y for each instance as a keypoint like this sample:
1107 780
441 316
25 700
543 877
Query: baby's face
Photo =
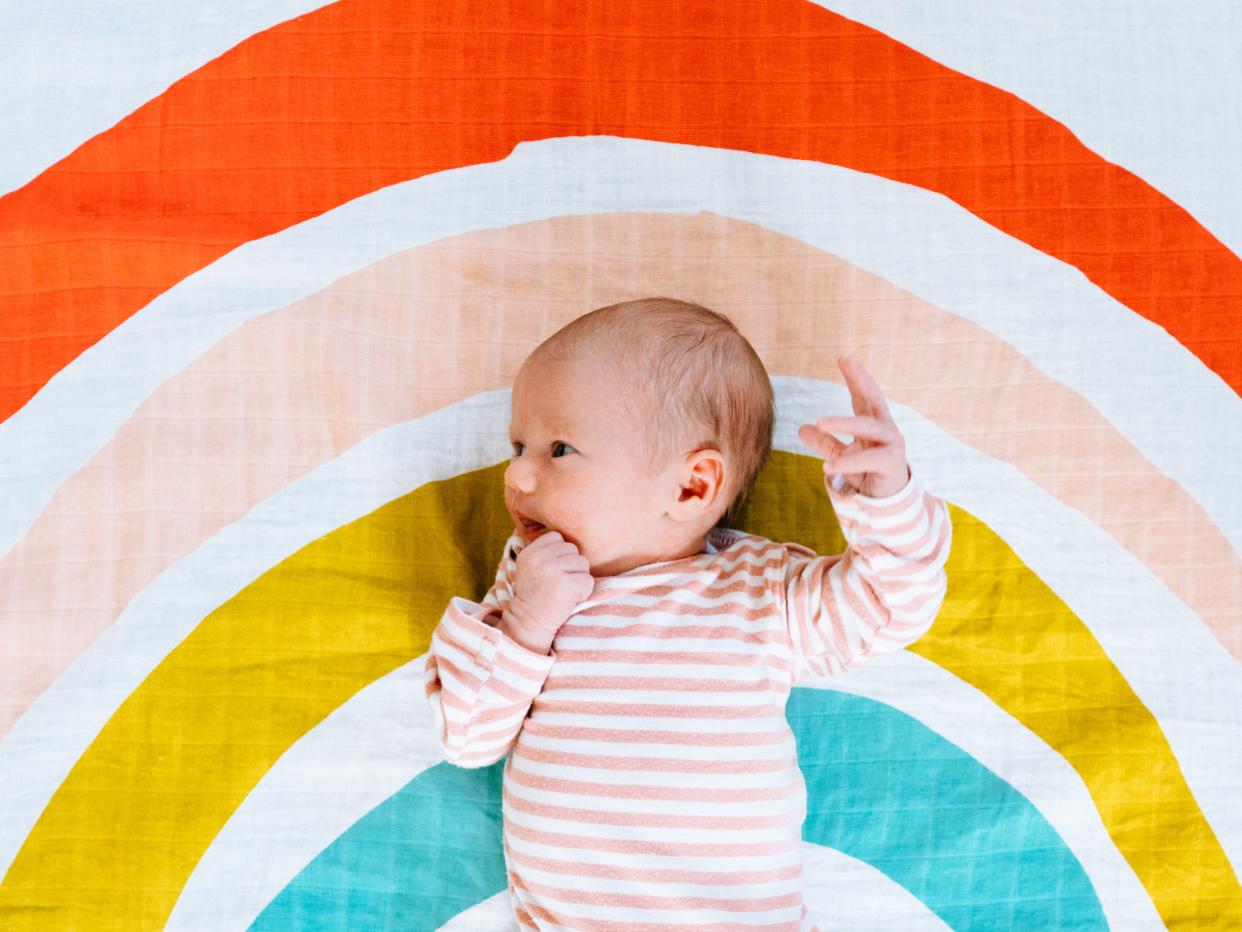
577 467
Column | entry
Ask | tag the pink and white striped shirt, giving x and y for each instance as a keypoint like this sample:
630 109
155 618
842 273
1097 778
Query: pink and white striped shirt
653 781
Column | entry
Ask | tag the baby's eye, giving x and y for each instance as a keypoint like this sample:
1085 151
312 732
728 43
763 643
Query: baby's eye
559 443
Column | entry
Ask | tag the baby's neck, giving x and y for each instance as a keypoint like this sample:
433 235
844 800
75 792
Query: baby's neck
617 567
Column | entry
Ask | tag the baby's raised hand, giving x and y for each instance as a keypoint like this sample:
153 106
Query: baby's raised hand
875 462
552 577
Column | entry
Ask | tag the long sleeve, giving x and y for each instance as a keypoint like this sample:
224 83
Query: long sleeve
881 595
479 682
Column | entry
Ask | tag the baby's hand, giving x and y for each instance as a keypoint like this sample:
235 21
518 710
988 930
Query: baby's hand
552 577
875 463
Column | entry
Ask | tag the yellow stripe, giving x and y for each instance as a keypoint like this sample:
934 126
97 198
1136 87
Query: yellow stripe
117 842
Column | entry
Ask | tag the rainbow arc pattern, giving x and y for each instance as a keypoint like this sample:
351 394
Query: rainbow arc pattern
260 321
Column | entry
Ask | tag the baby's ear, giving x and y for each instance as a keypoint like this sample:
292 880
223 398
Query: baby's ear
700 484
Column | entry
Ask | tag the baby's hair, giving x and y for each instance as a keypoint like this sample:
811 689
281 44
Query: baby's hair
705 384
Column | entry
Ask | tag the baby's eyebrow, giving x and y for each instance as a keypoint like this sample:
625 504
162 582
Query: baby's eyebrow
559 432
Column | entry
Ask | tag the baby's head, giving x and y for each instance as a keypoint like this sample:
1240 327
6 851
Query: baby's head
636 429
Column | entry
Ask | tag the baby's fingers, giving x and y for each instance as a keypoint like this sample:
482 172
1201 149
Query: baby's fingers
869 428
865 391
822 442
872 459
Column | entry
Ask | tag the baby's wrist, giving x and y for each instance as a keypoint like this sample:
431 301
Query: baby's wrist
516 628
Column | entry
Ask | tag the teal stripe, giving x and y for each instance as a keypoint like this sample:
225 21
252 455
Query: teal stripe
888 791
427 853
881 787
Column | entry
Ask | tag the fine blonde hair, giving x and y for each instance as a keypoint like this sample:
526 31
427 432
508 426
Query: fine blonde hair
704 385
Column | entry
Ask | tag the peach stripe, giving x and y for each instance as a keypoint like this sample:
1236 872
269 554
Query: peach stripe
541 729
695 849
639 683
448 320
609 655
673 607
644 901
698 632
577 869
668 711
474 684
707 794
600 925
750 584
449 634
650 819
672 764
887 510
868 610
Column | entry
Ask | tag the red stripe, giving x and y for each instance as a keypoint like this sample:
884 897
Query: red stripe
366 93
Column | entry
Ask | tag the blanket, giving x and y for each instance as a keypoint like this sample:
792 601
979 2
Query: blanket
267 272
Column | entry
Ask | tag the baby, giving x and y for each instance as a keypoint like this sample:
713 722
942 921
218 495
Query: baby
635 652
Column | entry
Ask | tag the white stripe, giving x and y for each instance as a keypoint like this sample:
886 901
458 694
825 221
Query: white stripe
658 861
659 887
626 697
311 796
567 641
599 616
1177 669
598 831
488 677
918 240
48 739
959 713
670 779
688 807
842 894
927 532
749 675
673 916
1148 84
712 598
495 914
1173 662
643 722
462 661
69 71
674 752
851 511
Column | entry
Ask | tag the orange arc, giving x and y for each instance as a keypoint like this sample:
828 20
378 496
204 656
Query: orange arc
361 94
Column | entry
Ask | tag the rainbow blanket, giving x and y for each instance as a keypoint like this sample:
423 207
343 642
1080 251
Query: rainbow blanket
267 272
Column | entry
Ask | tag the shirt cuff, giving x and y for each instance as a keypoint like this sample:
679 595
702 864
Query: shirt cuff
475 616
836 486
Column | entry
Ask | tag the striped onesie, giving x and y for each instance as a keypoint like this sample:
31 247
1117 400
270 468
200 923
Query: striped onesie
653 781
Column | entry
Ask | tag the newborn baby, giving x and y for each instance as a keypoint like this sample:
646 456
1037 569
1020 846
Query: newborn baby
635 652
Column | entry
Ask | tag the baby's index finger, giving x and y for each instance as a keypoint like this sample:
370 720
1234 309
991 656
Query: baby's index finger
863 386
873 428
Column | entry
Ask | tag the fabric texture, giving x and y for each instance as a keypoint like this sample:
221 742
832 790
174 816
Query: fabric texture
267 274
652 775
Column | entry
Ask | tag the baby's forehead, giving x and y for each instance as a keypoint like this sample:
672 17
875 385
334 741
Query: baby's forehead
587 417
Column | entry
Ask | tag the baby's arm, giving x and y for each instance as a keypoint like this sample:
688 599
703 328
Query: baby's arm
479 682
881 595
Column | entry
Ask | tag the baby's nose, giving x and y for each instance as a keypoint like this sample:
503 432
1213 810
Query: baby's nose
518 477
